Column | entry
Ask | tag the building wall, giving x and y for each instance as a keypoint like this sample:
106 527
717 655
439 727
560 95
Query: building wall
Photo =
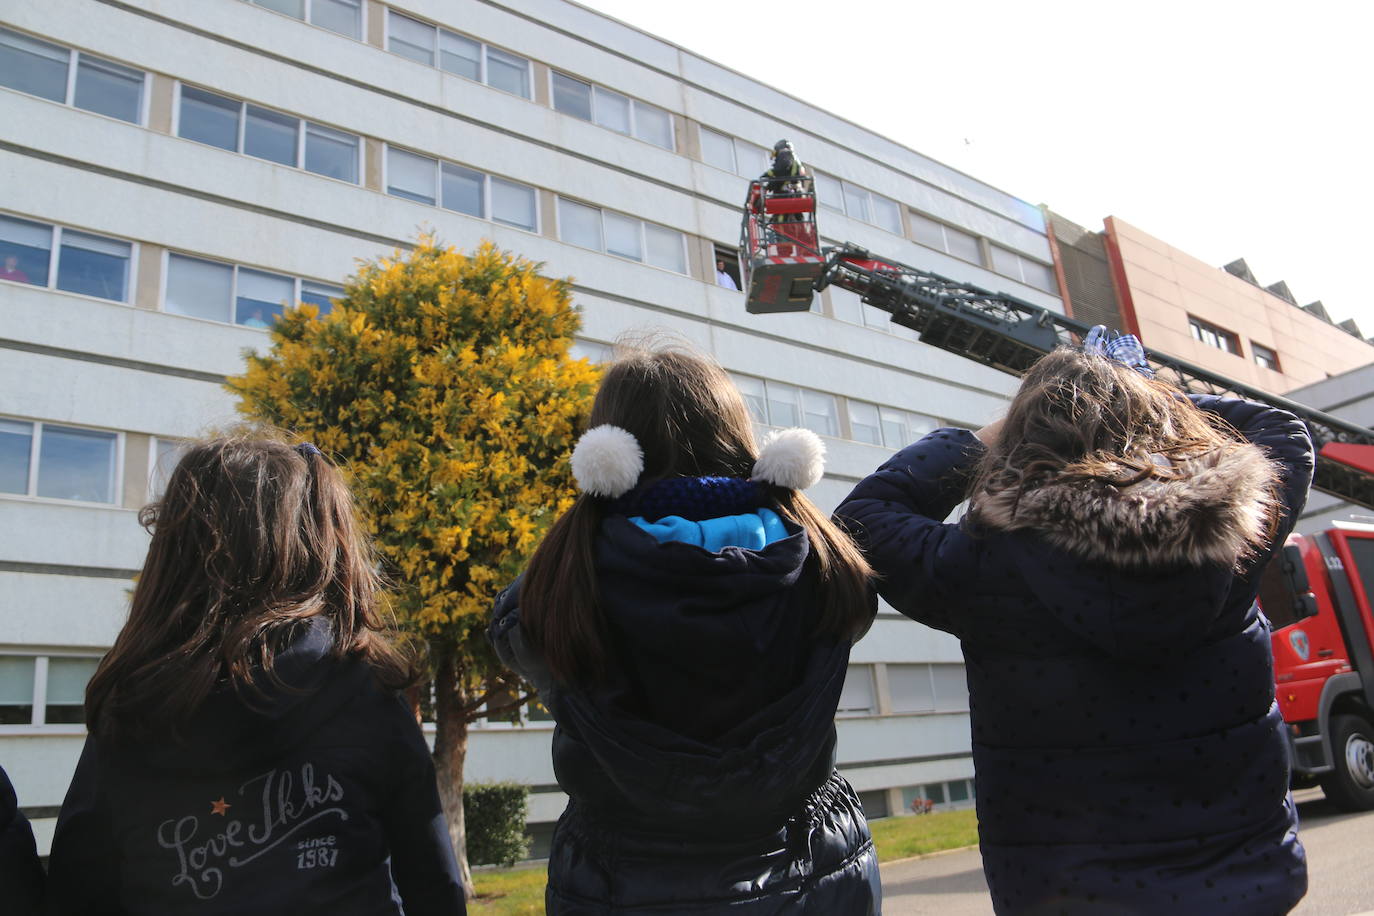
129 367
1168 287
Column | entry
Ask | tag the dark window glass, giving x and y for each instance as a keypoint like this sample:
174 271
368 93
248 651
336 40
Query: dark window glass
33 66
270 135
572 97
261 297
16 444
16 690
108 88
1362 550
462 190
93 266
342 16
320 295
67 679
460 55
331 152
25 251
76 464
209 118
508 72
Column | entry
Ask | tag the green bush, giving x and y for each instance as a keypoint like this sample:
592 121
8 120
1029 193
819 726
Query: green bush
495 816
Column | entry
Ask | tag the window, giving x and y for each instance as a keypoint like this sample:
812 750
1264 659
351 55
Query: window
862 204
613 111
342 16
863 422
820 414
41 68
717 150
430 45
166 455
846 306
945 238
1265 357
829 192
1214 336
224 292
755 398
857 696
266 134
43 689
1018 267
90 265
901 428
621 235
927 688
453 187
784 404
58 462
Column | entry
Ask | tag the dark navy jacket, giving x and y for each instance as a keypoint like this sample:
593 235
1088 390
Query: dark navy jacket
1128 752
318 798
701 772
21 877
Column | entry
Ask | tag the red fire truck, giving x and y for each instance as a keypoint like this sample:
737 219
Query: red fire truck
1319 591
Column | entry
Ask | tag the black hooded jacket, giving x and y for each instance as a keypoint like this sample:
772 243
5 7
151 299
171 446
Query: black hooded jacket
1128 750
21 877
701 771
318 797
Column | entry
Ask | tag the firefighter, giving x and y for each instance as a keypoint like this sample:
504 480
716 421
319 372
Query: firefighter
785 169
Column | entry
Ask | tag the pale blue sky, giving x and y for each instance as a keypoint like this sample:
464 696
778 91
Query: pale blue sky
1228 129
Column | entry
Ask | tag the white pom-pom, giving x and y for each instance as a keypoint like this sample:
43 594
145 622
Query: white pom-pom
791 458
607 461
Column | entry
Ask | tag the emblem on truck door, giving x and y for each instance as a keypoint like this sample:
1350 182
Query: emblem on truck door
1298 640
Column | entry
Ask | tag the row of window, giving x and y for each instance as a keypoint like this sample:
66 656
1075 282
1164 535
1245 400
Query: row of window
775 403
463 190
437 47
58 462
621 235
70 77
342 16
612 110
918 688
93 265
44 689
955 793
1222 339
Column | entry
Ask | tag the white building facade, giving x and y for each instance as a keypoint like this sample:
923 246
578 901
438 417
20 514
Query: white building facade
175 170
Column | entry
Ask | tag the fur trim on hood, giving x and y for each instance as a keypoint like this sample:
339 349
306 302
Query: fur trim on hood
1217 511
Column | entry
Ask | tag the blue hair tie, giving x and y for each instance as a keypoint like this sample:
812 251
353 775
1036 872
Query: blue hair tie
306 449
1124 348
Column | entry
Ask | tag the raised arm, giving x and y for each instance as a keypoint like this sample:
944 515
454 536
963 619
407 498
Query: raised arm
897 515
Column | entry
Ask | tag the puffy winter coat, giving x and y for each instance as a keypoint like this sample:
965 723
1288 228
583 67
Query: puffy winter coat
1127 747
21 877
317 798
701 772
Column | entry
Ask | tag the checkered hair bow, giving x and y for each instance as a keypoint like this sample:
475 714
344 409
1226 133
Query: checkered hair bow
1124 348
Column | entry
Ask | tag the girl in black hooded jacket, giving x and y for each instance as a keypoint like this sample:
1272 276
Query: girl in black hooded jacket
688 623
248 751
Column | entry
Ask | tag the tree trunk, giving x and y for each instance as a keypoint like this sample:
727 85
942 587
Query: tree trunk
450 751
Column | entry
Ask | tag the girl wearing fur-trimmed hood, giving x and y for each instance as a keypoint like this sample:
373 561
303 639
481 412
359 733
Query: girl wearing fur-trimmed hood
1128 752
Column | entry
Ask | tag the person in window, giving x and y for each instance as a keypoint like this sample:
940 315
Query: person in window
21 876
688 623
255 320
248 748
723 277
11 270
1128 752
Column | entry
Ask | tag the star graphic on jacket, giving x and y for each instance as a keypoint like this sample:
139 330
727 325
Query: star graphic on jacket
220 807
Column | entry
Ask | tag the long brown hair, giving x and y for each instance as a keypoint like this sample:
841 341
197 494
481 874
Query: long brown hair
1081 416
251 539
690 421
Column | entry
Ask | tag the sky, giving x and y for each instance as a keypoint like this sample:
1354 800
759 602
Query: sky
1226 129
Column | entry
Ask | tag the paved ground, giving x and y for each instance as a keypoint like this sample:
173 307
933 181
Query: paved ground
1340 847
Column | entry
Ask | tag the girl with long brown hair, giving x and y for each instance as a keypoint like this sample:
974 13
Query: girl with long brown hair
1128 752
248 751
688 623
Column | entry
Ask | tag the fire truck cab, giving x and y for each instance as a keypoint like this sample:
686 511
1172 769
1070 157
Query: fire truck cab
1317 595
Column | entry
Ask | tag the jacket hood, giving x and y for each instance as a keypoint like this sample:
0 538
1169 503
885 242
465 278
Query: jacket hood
720 696
1215 511
236 727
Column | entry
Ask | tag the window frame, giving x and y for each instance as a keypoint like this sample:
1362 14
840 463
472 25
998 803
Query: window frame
73 66
483 65
30 493
302 130
1021 261
1265 357
38 723
297 284
632 106
1199 330
437 186
643 235
55 260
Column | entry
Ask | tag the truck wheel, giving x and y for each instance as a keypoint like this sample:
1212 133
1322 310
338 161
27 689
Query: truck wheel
1351 785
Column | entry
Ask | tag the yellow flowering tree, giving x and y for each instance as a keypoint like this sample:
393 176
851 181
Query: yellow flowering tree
444 383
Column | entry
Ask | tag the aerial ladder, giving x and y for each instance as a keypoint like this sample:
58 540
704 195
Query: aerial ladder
783 264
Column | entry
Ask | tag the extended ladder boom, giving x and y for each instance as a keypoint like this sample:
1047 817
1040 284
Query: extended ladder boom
1009 333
